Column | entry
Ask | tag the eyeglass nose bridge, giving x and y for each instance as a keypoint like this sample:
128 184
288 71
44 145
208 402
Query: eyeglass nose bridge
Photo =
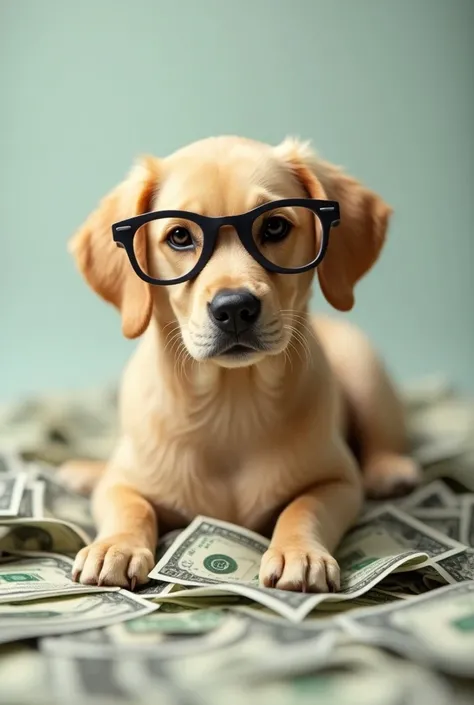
230 225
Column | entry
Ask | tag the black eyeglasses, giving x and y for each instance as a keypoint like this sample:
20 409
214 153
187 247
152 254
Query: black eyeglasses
187 240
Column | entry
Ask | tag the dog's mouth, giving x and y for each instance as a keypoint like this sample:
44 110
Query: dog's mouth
237 349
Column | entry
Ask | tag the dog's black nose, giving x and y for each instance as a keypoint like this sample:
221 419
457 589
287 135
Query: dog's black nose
234 310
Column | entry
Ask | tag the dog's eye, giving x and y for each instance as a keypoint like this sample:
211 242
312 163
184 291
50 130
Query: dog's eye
180 239
275 229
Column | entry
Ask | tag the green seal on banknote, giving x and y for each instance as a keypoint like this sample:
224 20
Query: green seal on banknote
220 563
19 577
464 624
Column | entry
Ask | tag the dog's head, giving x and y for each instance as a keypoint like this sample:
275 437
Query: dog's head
234 311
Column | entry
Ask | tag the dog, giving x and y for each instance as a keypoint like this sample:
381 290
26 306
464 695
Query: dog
237 403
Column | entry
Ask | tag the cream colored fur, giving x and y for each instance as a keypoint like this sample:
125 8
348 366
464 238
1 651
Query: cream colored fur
264 443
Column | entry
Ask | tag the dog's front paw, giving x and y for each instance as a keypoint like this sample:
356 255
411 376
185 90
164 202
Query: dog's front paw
300 568
117 561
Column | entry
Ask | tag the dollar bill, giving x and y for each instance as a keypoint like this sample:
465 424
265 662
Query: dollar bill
447 521
37 576
10 463
389 531
467 520
151 629
68 614
228 631
24 676
455 569
324 611
42 535
369 684
39 518
260 664
211 551
109 678
26 508
60 427
11 492
406 585
435 450
470 528
448 417
435 495
437 627
153 589
31 504
459 470
63 504
169 619
225 559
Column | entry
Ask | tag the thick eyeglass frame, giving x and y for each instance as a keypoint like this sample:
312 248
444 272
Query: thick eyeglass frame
125 230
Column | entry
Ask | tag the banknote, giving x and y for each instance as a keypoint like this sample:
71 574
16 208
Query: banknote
24 676
58 427
470 528
211 551
10 463
435 450
150 630
459 470
45 513
369 684
225 559
26 504
437 627
108 678
32 576
406 585
447 417
447 520
455 569
169 619
235 649
68 614
228 630
31 504
249 668
63 504
152 589
42 534
11 492
325 610
354 675
435 495
467 520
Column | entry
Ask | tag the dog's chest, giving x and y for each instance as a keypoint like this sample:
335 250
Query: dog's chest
242 477
239 456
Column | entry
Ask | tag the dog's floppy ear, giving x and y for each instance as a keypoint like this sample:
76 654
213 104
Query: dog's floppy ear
104 266
355 245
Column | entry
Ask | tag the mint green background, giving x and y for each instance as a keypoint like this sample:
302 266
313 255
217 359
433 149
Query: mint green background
384 87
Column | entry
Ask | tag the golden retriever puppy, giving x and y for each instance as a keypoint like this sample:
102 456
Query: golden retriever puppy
237 404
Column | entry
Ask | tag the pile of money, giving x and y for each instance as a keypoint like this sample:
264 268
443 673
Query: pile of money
203 631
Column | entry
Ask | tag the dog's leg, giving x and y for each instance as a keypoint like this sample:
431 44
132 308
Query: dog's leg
375 411
309 530
379 423
124 550
81 475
